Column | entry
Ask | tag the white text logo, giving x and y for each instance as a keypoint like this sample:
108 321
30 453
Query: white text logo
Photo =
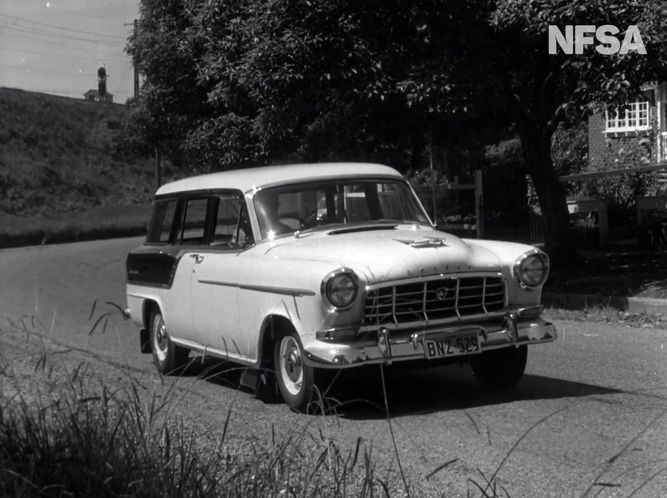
577 37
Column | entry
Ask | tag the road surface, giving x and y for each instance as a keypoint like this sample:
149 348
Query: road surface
591 408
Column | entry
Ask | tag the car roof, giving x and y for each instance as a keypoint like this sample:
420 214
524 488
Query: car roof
256 178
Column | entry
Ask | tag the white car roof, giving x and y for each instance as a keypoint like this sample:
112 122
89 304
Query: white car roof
255 178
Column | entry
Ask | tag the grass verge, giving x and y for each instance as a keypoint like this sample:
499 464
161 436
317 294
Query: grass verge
608 314
73 435
98 223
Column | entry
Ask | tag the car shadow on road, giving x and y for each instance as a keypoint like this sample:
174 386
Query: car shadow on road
214 370
222 373
358 393
423 391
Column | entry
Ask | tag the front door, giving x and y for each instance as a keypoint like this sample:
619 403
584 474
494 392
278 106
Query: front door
215 278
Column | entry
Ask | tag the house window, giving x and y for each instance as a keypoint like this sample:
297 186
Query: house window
633 117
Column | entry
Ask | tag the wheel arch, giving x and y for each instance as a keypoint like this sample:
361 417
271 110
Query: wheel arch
273 326
147 308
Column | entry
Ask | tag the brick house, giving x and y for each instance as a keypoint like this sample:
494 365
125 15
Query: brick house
635 134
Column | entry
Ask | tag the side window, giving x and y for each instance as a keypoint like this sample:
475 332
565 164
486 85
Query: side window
162 221
194 226
232 226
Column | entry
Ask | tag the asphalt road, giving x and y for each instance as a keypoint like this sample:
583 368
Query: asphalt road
591 408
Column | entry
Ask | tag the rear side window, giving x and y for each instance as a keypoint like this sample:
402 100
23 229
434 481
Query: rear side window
194 226
162 221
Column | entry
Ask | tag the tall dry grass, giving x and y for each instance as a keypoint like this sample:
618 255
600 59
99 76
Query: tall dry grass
68 433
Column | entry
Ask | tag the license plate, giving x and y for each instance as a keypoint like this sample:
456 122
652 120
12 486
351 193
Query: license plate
451 344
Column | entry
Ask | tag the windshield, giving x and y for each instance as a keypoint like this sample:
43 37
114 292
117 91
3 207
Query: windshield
289 208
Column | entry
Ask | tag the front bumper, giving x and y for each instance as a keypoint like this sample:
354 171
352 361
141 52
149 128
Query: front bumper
394 346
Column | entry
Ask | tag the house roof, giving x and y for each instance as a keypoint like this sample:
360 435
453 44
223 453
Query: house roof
255 178
92 91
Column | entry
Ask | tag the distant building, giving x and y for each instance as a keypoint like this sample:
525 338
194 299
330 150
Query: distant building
94 96
640 126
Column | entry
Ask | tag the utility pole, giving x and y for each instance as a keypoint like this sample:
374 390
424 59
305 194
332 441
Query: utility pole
135 58
156 146
135 62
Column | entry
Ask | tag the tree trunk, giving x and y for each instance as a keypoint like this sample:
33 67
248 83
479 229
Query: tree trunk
559 242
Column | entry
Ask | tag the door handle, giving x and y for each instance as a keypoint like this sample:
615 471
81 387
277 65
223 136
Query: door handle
197 257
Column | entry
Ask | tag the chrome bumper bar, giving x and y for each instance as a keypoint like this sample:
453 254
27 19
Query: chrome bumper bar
386 349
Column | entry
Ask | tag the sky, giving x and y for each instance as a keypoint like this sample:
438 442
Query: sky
56 46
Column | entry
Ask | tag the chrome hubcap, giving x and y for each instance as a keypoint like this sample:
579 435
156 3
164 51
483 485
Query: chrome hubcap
160 338
291 367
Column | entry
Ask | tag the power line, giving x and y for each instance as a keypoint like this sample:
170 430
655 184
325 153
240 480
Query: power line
64 37
55 42
24 29
68 56
61 27
41 70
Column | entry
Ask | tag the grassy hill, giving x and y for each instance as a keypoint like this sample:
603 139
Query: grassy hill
64 158
59 154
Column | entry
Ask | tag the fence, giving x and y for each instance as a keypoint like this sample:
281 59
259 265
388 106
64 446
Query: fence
456 207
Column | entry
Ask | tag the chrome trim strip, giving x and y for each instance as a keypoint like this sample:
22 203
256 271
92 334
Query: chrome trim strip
140 296
484 297
287 291
441 321
435 276
208 351
217 282
530 311
456 299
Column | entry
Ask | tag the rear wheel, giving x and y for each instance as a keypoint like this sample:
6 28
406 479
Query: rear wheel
295 379
168 357
500 368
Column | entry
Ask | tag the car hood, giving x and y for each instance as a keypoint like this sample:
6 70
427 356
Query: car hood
388 253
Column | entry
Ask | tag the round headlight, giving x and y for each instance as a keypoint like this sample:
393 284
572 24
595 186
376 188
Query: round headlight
341 289
532 270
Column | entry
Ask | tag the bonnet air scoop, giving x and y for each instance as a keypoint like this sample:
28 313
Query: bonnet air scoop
363 228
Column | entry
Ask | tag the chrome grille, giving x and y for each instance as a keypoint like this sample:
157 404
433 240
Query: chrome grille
441 298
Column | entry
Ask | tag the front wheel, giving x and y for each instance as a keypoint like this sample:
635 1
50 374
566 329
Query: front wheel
168 357
500 368
295 378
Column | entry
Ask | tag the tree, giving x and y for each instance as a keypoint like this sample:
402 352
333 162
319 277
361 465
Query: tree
266 80
312 79
171 98
542 91
263 81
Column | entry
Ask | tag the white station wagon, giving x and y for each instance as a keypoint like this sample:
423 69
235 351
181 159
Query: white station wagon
296 269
